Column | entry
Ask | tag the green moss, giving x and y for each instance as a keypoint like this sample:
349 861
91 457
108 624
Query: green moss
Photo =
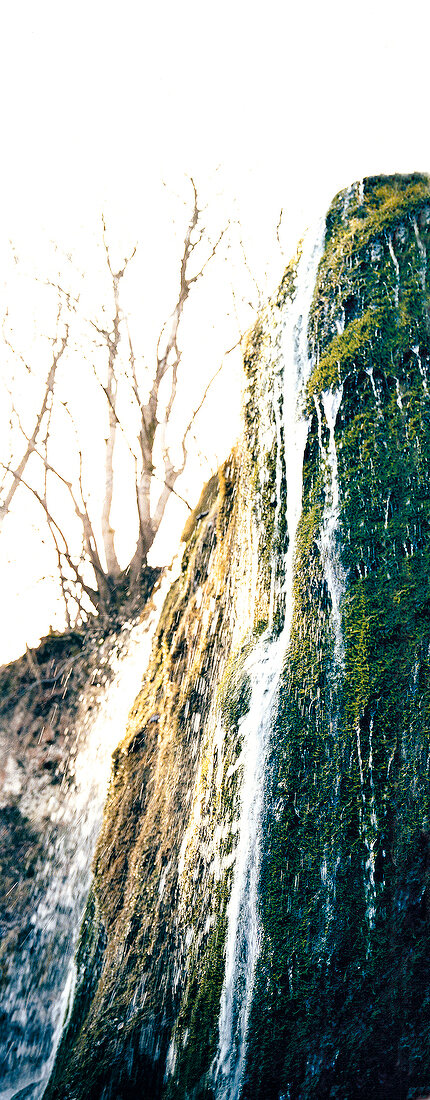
341 1003
353 220
345 353
341 1007
197 1029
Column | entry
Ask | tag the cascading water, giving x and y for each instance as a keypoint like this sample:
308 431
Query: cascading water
36 997
368 825
262 919
264 669
335 580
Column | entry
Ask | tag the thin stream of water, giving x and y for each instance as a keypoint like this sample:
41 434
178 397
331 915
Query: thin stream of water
264 669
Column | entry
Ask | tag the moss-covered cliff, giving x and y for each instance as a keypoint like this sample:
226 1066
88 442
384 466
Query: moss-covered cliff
342 998
339 989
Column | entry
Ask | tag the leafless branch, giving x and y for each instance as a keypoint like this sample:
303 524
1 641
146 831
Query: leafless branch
54 525
278 227
49 389
250 272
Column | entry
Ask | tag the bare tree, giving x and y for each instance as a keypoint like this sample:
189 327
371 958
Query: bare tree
92 576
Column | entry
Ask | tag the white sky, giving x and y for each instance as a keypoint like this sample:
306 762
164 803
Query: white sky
289 101
293 100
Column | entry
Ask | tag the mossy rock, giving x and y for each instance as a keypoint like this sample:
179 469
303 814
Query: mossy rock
341 1000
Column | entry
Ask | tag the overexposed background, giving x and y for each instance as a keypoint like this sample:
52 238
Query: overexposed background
110 107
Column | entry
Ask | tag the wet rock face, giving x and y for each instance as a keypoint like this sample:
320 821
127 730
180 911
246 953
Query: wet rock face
341 996
293 653
38 705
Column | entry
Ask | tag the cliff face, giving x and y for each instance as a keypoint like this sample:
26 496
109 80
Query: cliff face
258 922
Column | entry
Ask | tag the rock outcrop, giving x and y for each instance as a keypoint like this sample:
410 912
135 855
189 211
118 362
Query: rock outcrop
259 917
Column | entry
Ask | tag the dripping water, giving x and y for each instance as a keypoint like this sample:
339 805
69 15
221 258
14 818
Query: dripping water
264 669
422 252
368 825
396 268
333 568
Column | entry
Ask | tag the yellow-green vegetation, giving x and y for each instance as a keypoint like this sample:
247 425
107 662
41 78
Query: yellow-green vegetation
364 212
151 955
136 862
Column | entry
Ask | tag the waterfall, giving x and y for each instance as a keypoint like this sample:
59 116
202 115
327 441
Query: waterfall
368 825
333 569
40 988
264 668
260 922
335 579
